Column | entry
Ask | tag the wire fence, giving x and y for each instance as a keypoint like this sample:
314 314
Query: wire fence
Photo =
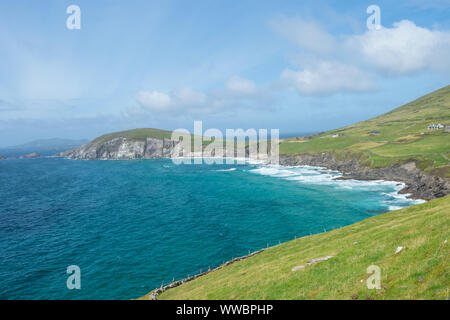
203 271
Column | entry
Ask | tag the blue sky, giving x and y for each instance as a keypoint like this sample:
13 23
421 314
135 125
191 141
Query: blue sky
299 66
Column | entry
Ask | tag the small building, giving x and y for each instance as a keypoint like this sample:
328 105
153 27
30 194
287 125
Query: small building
435 126
374 132
335 135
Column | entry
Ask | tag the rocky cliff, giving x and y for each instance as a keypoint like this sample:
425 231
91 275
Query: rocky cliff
124 148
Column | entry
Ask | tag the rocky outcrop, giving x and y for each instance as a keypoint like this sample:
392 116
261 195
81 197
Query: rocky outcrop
123 148
418 184
30 156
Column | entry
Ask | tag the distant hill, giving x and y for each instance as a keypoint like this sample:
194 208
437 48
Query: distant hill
399 135
54 143
42 147
141 143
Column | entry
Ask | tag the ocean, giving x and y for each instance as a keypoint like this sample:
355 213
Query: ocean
131 226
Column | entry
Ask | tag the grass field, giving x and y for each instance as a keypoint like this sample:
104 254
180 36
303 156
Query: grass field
419 271
402 135
135 134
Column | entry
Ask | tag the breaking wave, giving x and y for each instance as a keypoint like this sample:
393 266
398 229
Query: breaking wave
319 176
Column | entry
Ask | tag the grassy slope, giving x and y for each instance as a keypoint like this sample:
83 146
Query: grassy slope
135 134
403 136
420 271
141 134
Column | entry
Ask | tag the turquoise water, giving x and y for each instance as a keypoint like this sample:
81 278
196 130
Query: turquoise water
130 225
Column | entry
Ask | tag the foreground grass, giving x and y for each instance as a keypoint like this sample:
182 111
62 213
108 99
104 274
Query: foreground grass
394 137
420 271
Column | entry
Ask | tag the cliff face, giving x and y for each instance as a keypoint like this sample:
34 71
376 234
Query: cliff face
124 148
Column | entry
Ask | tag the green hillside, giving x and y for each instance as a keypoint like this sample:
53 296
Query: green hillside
419 271
135 134
396 136
140 134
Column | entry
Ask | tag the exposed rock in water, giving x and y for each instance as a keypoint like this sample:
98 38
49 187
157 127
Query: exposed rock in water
2 157
418 184
30 156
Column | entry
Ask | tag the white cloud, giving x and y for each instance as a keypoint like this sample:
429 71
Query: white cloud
236 93
330 64
327 77
184 99
405 48
321 72
154 100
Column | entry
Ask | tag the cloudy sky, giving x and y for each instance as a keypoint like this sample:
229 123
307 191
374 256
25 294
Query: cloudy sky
299 66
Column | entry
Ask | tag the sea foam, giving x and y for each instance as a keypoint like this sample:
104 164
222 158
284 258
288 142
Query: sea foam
320 176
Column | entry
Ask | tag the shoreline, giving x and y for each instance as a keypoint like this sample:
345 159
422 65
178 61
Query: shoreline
418 185
398 185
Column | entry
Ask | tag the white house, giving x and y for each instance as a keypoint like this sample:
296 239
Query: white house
435 126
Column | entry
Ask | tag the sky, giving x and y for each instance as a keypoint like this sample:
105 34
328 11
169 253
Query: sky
296 66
